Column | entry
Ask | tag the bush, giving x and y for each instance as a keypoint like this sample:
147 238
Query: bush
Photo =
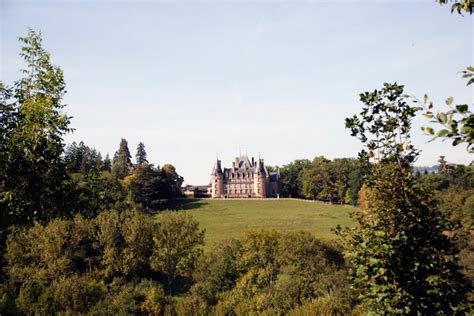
178 244
270 273
468 213
125 243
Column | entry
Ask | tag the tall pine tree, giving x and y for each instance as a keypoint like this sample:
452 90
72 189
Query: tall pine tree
141 154
107 165
122 161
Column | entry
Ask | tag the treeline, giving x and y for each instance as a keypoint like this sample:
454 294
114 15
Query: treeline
74 237
40 179
453 186
128 263
337 180
115 263
142 183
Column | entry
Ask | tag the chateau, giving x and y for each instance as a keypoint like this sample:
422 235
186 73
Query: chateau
245 179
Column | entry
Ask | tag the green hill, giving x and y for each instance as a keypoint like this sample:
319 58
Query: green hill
228 218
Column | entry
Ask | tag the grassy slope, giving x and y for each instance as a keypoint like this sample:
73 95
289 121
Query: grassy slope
228 218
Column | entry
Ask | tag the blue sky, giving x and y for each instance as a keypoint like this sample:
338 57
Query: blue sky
192 79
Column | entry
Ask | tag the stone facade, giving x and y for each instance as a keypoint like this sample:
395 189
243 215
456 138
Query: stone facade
247 178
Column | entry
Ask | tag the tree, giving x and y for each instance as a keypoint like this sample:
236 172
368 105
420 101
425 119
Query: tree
401 260
122 161
147 186
387 116
317 181
107 165
141 154
291 178
34 183
98 191
442 164
126 243
178 242
173 181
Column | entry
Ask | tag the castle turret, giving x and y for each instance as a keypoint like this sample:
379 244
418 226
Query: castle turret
217 180
260 180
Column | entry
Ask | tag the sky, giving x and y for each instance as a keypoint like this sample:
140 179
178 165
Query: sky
197 79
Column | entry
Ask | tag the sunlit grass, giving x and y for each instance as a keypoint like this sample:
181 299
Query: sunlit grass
229 218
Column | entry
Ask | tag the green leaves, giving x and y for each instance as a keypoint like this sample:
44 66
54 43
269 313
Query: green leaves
178 242
384 123
442 133
398 253
33 178
462 108
457 122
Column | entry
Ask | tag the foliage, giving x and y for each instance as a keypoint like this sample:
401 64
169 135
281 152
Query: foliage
98 191
122 164
460 5
291 178
82 158
267 272
107 165
34 174
317 182
217 270
401 261
467 216
457 123
173 181
135 298
400 257
34 184
98 265
338 180
125 242
149 186
141 154
178 242
383 125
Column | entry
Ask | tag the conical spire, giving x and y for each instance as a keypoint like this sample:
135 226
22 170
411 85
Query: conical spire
217 170
261 167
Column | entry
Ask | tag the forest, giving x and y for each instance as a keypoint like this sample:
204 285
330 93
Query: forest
77 235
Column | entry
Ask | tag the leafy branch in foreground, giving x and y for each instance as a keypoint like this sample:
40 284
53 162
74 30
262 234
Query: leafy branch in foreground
459 6
457 123
383 125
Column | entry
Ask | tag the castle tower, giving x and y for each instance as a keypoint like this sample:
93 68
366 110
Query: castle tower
260 180
217 180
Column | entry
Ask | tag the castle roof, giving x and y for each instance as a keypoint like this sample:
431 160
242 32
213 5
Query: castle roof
217 170
243 165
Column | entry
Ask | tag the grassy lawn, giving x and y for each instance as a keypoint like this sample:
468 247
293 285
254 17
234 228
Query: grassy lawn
228 218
